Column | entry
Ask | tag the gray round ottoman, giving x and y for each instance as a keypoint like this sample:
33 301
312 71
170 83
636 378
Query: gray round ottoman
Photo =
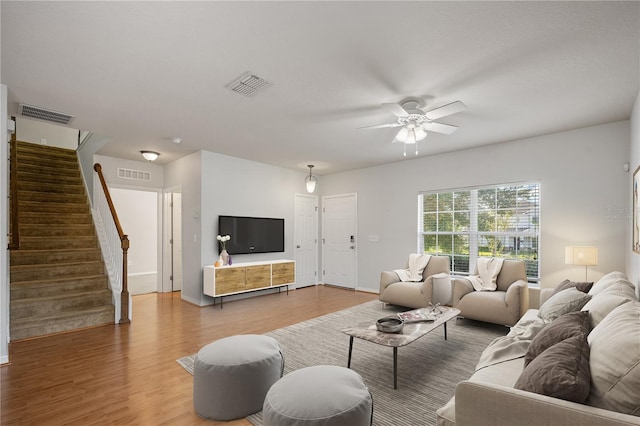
231 376
321 395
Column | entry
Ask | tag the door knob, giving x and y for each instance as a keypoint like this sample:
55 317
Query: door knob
297 246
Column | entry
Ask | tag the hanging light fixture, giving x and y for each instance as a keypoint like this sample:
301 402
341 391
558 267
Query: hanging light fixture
150 155
410 135
311 180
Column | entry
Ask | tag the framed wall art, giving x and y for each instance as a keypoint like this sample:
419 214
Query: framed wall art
636 210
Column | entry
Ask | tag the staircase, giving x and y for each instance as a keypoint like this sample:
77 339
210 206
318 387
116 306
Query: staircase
57 276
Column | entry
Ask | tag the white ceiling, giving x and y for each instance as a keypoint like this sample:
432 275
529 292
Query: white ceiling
142 72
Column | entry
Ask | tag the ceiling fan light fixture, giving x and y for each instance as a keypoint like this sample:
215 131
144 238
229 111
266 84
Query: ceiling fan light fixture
311 180
150 155
411 135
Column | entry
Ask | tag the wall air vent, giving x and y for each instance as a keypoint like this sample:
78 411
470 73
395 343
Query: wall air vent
44 114
133 174
248 84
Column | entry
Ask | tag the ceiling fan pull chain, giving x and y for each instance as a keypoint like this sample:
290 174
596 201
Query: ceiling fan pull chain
416 147
404 146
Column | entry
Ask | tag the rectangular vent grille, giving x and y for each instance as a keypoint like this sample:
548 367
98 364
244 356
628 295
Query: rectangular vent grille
133 174
44 114
248 84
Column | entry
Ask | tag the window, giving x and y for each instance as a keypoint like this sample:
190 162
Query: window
497 221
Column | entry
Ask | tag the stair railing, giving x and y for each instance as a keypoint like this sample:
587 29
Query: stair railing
14 230
116 240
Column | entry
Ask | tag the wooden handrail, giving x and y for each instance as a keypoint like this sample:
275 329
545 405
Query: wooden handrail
124 244
14 241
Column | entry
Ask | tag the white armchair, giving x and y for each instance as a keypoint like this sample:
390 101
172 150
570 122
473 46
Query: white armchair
408 293
503 306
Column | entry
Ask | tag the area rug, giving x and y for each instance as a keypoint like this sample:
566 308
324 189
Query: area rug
428 369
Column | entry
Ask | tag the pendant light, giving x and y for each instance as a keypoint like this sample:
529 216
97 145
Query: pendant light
311 180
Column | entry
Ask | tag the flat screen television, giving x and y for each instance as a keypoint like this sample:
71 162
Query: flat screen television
252 234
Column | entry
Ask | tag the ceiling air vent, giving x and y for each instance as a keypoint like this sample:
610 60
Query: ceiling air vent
44 114
248 84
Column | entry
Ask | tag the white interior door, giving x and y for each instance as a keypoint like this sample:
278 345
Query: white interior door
339 240
306 240
172 240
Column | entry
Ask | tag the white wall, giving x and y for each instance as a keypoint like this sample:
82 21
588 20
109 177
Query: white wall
185 173
110 167
633 259
54 135
583 185
138 214
215 184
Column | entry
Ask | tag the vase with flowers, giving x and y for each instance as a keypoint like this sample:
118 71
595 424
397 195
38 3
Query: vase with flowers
224 256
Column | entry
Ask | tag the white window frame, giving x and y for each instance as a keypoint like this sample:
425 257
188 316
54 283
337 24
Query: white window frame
474 235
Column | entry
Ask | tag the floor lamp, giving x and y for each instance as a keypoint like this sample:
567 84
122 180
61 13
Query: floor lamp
581 255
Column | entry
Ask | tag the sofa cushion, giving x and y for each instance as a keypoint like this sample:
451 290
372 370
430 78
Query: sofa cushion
561 371
600 306
565 301
568 325
582 286
610 279
615 360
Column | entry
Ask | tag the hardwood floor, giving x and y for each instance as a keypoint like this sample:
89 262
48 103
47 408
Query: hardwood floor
128 374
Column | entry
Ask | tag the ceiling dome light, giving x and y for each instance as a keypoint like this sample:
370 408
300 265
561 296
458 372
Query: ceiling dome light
311 180
150 155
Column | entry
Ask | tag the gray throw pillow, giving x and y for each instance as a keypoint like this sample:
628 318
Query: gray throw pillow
568 325
582 286
562 371
566 301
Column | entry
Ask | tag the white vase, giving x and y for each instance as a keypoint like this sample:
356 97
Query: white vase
224 256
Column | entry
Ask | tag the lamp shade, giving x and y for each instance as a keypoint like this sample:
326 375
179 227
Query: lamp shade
581 255
310 180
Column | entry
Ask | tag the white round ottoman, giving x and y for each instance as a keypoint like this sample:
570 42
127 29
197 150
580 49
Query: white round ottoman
231 376
321 395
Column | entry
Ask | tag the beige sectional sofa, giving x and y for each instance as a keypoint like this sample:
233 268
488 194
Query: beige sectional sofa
611 321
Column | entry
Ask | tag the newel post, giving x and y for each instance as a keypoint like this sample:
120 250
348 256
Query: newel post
124 295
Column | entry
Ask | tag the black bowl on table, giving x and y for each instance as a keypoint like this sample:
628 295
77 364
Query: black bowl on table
389 325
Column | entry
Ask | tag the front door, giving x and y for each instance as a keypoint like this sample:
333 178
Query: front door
339 240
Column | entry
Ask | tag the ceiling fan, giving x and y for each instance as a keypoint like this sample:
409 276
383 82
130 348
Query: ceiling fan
415 121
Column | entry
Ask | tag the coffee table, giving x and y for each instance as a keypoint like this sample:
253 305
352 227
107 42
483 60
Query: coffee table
409 334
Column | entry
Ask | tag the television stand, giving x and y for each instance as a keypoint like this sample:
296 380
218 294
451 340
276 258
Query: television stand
248 277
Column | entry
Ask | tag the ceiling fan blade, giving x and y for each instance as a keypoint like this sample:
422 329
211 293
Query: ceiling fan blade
445 110
381 126
395 109
446 129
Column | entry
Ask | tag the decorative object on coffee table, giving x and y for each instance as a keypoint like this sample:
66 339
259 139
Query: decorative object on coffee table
389 325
